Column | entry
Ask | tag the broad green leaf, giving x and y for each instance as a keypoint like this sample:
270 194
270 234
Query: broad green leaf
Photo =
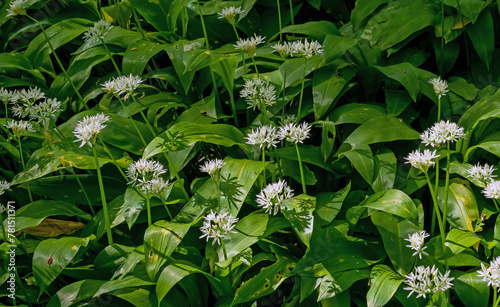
327 85
52 256
139 279
138 55
337 46
328 133
396 101
394 231
267 280
384 283
160 241
461 87
308 153
334 284
34 213
469 8
381 129
393 202
20 61
486 107
293 69
177 56
298 211
363 9
355 113
471 288
112 256
362 160
226 69
154 12
316 30
184 134
483 37
404 73
291 168
462 205
458 240
59 34
76 292
328 204
384 170
173 273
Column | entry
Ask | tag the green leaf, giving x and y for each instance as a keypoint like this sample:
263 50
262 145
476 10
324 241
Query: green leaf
404 73
462 88
139 279
363 9
299 212
267 280
180 61
486 107
393 202
59 34
362 160
316 30
462 205
327 85
384 170
394 231
160 241
226 69
34 213
355 113
483 37
328 204
471 288
154 12
75 292
52 256
396 101
384 283
336 46
469 8
291 169
458 240
21 62
184 134
334 284
138 55
381 129
309 154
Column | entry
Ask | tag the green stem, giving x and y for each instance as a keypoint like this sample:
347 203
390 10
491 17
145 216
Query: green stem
144 116
496 204
24 166
59 62
436 208
244 64
168 211
111 57
203 25
114 160
136 18
148 207
172 167
217 184
224 249
442 39
302 90
103 199
233 109
278 162
284 86
236 32
291 12
83 190
439 109
6 112
255 65
279 19
133 123
301 170
447 184
264 164
496 298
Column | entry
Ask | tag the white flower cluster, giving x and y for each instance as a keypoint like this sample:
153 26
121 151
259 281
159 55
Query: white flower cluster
481 173
307 49
19 128
250 44
45 110
442 132
4 185
192 46
439 86
87 129
258 93
218 226
212 166
230 13
492 189
155 187
97 32
271 197
144 170
289 119
122 85
24 100
5 95
492 273
285 49
294 133
16 7
422 161
264 136
426 280
417 242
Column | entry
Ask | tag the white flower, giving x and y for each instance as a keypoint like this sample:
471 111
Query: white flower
45 110
19 128
29 96
5 95
289 119
442 132
16 7
122 85
4 185
87 129
155 187
142 171
417 242
481 173
212 166
230 13
285 49
258 93
422 161
294 133
250 44
192 46
492 189
271 197
492 273
218 226
264 136
439 86
426 280
97 32
307 49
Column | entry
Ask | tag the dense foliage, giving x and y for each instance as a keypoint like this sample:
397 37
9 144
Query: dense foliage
249 153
